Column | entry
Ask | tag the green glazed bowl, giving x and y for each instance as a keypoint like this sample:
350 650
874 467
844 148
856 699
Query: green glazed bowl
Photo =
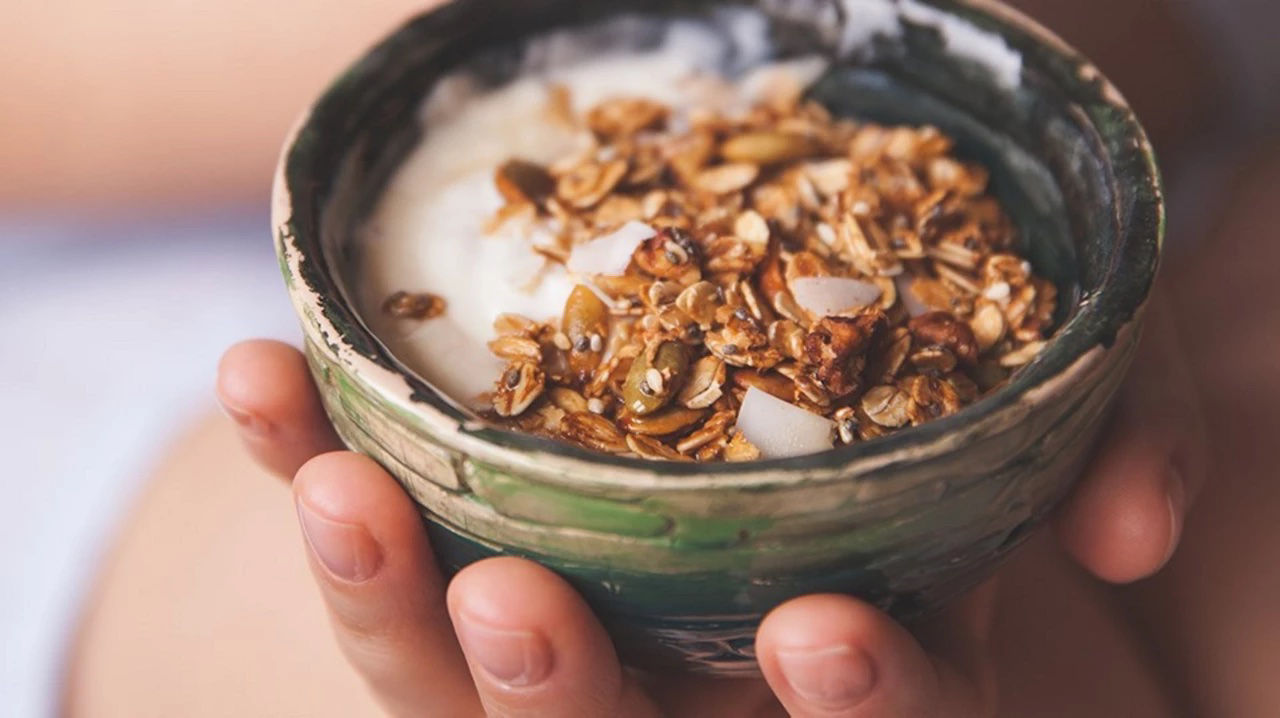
681 561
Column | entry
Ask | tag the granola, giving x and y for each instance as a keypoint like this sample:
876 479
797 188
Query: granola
858 272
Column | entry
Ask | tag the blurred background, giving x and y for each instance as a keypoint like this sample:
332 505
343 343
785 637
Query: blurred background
137 140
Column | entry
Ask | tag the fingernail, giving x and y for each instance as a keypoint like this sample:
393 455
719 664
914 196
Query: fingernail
245 420
1176 492
833 677
519 659
346 550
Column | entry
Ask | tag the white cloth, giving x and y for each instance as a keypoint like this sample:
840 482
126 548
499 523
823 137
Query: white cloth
108 346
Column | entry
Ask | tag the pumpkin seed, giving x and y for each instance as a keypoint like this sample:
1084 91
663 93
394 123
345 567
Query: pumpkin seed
655 377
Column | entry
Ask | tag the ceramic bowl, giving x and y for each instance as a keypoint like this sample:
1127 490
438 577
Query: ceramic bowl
681 561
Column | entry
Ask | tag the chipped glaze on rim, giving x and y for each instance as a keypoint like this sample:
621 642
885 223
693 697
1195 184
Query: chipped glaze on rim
561 464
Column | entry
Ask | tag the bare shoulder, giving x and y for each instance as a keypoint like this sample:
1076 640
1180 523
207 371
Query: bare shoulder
205 607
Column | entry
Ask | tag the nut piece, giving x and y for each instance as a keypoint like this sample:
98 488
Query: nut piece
834 345
942 329
517 388
420 305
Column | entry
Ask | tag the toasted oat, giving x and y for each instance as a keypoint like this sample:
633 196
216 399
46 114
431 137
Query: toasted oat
650 448
724 179
594 432
517 388
588 183
767 147
515 348
625 116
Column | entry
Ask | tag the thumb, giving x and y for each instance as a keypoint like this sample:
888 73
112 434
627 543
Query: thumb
834 656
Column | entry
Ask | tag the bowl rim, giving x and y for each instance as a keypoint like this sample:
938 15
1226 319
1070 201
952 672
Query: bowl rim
1103 317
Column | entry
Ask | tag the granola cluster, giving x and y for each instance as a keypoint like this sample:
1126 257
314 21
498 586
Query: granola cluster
856 271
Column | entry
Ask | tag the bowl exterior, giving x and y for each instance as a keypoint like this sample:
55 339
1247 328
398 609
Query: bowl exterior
682 578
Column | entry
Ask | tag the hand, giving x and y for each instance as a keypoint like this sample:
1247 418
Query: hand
507 636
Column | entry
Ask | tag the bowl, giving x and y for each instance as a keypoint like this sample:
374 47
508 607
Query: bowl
681 561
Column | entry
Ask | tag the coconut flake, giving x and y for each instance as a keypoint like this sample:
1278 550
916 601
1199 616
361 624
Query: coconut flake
909 300
610 254
827 296
781 429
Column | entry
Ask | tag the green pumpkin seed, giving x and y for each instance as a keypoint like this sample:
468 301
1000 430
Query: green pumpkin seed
656 376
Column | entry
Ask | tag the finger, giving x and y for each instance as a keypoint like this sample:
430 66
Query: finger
266 388
1125 518
534 646
832 656
371 559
